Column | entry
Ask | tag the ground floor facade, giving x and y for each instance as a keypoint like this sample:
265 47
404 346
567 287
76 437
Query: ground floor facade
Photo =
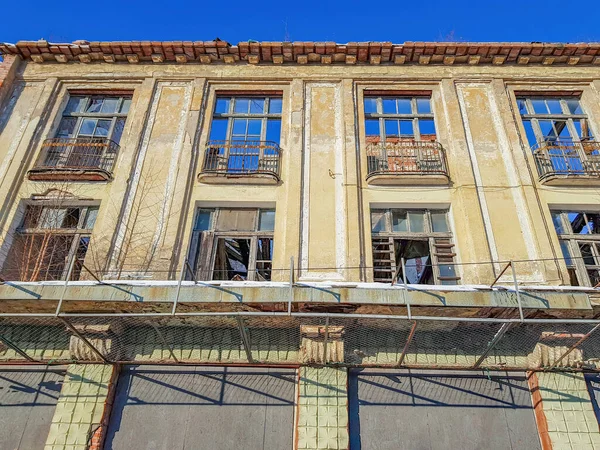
104 406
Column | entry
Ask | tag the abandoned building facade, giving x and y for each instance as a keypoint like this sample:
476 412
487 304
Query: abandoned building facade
329 214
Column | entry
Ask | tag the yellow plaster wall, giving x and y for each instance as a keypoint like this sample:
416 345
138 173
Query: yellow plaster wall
323 192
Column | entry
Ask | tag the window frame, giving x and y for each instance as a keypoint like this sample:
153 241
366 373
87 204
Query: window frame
195 257
427 235
573 241
414 116
81 116
566 115
231 115
78 233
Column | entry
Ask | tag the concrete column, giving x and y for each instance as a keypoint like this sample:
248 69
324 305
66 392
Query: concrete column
564 411
322 418
83 409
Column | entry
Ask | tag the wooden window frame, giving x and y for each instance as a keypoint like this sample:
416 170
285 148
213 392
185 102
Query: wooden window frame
415 116
203 245
81 116
566 115
78 233
231 115
428 235
572 241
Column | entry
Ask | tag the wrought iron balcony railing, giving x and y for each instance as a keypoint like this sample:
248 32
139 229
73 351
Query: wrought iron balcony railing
89 159
560 159
242 158
406 157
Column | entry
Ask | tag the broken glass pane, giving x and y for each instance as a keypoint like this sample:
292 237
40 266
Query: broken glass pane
257 105
118 130
102 128
522 105
378 222
416 260
95 105
557 220
231 259
264 249
574 106
399 220
586 253
75 104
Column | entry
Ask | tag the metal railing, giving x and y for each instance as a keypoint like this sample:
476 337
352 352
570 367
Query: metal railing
360 340
241 157
81 154
406 157
570 158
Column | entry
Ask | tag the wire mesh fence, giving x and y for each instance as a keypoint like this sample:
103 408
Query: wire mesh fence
302 339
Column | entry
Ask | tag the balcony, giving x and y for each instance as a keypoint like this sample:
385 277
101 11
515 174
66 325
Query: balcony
246 162
564 163
406 162
75 159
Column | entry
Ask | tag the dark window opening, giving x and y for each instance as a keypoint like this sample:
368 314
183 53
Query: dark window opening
232 244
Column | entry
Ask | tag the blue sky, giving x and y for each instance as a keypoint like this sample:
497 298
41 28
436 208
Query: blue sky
341 21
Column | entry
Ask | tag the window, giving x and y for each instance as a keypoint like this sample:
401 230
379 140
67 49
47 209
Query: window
247 118
94 116
394 119
553 119
87 137
579 237
49 240
232 244
422 238
244 136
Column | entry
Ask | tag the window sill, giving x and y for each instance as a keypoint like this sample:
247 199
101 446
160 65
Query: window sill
412 179
230 178
64 174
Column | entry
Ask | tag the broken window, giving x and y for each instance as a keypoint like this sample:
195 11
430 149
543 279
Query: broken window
48 242
548 119
244 133
579 237
88 123
232 244
559 135
415 245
